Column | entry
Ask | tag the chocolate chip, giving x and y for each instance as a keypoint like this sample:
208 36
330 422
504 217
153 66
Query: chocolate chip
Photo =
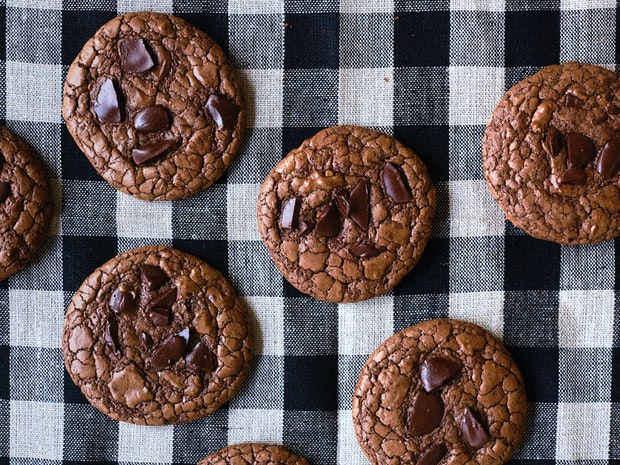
437 370
363 251
573 102
289 218
122 302
152 119
555 142
110 334
360 204
614 109
169 351
395 185
328 221
5 190
473 431
425 413
342 200
580 150
153 277
609 160
135 57
433 454
305 227
159 308
575 176
107 106
153 151
146 338
223 111
200 358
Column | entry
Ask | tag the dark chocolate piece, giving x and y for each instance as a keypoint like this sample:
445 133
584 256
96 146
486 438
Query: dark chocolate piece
223 111
159 308
200 358
328 221
555 143
122 302
289 217
437 370
473 431
342 200
573 102
153 277
135 57
575 176
425 413
110 334
364 251
152 119
5 190
580 150
609 160
169 351
433 455
107 106
153 151
360 204
395 185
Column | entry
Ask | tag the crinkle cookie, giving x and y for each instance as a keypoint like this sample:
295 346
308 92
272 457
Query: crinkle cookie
440 392
25 203
155 106
347 214
156 336
551 154
253 454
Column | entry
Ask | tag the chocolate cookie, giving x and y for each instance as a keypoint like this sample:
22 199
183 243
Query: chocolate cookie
155 106
253 454
25 203
551 154
347 214
156 336
440 392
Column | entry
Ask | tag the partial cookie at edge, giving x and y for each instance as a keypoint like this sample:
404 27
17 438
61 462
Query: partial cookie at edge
253 454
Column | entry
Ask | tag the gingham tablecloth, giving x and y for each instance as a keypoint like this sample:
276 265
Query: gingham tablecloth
428 72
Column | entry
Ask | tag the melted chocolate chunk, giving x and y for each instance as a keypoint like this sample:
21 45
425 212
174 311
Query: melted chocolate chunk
473 431
107 106
153 277
395 185
123 302
328 221
200 358
433 455
425 413
289 217
159 309
364 251
360 204
152 119
110 334
169 351
437 370
573 102
5 191
223 111
575 176
135 57
555 142
153 151
342 200
609 160
580 150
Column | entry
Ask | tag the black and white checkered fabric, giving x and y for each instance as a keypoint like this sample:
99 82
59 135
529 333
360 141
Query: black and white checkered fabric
428 72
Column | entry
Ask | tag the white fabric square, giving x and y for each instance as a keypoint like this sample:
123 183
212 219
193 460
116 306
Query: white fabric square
139 219
586 318
36 430
477 5
474 93
575 422
255 7
36 4
163 6
473 210
241 212
268 313
145 444
486 309
366 6
364 325
36 318
567 5
33 92
349 451
255 425
366 97
262 89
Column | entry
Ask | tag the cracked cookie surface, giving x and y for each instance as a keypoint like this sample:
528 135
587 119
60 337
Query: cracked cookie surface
551 154
253 454
156 336
155 106
25 203
440 392
347 214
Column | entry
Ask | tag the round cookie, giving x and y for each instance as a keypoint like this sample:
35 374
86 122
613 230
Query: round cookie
25 203
440 392
253 454
551 154
155 106
347 214
156 336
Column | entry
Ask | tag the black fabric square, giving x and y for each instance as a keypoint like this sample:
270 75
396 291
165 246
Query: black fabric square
617 251
311 327
614 434
615 375
431 144
310 41
531 264
75 165
71 392
214 24
89 434
313 435
215 253
539 366
532 38
540 327
290 291
310 97
431 274
81 255
210 433
311 382
78 27
292 137
5 389
422 39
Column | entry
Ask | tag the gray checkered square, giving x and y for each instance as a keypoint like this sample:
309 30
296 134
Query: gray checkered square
89 208
36 374
33 36
262 150
614 432
466 141
196 6
202 216
421 96
412 309
310 327
4 427
251 269
588 35
44 138
588 267
44 270
541 331
209 433
310 97
89 435
2 90
349 368
304 6
596 387
540 430
264 386
4 317
312 434
80 5
257 41
360 46
421 5
476 38
472 271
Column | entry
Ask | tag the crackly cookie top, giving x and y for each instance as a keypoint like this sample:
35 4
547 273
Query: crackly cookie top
347 214
551 154
440 392
25 203
154 104
156 336
253 454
